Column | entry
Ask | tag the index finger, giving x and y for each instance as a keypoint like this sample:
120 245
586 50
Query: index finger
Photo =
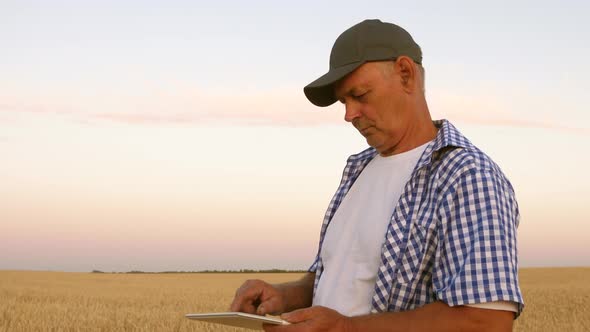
245 298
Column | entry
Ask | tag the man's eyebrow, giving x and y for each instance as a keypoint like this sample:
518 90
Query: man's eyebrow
340 96
350 92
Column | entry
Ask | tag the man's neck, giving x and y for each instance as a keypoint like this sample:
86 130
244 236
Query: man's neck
421 131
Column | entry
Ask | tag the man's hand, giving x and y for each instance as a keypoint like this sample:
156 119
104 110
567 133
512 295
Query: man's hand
258 297
310 320
261 298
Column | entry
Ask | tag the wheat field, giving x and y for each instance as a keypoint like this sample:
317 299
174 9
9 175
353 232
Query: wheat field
557 299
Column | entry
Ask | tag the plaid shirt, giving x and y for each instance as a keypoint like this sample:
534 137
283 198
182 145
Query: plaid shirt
452 235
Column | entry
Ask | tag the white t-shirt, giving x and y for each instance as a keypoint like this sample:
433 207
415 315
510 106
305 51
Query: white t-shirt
351 251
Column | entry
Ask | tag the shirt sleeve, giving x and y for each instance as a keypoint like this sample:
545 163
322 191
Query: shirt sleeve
498 305
476 258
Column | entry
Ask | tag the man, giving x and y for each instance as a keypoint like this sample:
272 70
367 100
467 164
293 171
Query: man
421 234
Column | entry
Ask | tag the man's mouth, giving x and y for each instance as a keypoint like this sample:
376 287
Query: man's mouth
363 128
364 131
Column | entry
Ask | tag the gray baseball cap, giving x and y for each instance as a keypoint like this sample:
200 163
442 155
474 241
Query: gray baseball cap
370 40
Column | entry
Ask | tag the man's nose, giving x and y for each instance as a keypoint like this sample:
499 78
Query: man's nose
352 111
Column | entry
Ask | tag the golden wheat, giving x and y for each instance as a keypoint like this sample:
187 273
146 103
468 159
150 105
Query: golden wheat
556 300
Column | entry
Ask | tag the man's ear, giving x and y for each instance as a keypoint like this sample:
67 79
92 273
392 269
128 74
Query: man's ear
406 69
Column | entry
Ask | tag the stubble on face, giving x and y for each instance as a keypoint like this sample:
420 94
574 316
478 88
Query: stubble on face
392 118
372 119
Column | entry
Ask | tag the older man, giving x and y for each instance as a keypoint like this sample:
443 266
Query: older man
421 234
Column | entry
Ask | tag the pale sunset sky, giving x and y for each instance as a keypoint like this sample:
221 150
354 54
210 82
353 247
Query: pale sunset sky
174 135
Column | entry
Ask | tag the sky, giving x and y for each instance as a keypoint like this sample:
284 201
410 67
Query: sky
174 135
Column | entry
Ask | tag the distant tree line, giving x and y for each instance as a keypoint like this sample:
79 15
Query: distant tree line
210 271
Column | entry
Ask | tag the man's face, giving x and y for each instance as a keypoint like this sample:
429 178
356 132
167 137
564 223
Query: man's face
376 105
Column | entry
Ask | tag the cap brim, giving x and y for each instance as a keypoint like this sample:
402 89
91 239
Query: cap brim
321 91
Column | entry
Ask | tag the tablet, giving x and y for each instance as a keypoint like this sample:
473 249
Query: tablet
237 319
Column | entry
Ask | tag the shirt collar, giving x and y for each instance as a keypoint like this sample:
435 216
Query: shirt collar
447 137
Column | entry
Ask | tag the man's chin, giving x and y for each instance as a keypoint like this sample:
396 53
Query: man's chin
371 142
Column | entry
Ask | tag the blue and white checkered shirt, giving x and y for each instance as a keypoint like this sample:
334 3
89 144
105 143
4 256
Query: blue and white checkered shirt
452 235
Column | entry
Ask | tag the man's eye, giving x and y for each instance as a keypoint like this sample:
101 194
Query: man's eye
360 95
